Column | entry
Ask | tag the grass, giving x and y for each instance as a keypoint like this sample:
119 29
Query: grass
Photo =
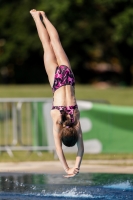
114 95
122 96
19 156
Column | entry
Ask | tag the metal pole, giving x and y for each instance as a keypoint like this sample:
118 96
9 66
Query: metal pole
19 106
28 123
14 121
5 125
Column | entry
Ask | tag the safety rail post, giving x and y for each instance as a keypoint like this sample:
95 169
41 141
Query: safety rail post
6 129
14 118
19 106
16 126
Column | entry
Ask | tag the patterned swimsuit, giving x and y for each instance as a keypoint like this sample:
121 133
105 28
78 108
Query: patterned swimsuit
64 76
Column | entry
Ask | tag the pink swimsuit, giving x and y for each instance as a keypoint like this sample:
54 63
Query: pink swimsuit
68 109
64 76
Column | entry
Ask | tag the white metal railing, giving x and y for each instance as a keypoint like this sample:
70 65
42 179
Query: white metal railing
17 121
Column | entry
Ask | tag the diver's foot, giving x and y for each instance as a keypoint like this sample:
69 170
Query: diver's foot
43 15
35 14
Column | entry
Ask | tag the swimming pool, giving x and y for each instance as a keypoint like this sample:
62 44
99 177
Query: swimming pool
90 186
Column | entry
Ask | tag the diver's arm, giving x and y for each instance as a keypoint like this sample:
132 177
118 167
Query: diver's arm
59 151
75 170
70 171
57 140
80 146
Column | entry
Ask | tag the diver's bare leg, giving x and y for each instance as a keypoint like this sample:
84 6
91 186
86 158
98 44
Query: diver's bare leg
60 54
50 61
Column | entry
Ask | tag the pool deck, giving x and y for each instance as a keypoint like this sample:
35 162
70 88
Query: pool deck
90 166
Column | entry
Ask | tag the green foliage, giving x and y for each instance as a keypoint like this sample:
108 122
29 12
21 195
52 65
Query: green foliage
14 31
89 30
123 24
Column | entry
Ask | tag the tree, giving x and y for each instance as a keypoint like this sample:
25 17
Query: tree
119 20
96 30
19 43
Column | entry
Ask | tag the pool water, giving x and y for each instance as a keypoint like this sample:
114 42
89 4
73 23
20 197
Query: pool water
54 186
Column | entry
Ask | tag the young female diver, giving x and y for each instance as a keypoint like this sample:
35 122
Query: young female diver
64 113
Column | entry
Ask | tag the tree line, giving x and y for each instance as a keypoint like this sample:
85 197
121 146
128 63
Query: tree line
93 33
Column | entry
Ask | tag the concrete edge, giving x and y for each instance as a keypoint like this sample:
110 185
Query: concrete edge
55 167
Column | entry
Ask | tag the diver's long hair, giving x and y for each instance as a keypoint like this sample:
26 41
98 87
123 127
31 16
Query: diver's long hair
68 135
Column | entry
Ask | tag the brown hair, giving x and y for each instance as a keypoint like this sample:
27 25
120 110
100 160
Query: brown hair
68 135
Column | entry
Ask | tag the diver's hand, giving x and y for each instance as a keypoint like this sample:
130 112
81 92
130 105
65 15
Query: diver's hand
72 170
69 175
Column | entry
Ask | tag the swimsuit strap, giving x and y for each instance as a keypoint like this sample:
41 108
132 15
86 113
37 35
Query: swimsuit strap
60 108
68 109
